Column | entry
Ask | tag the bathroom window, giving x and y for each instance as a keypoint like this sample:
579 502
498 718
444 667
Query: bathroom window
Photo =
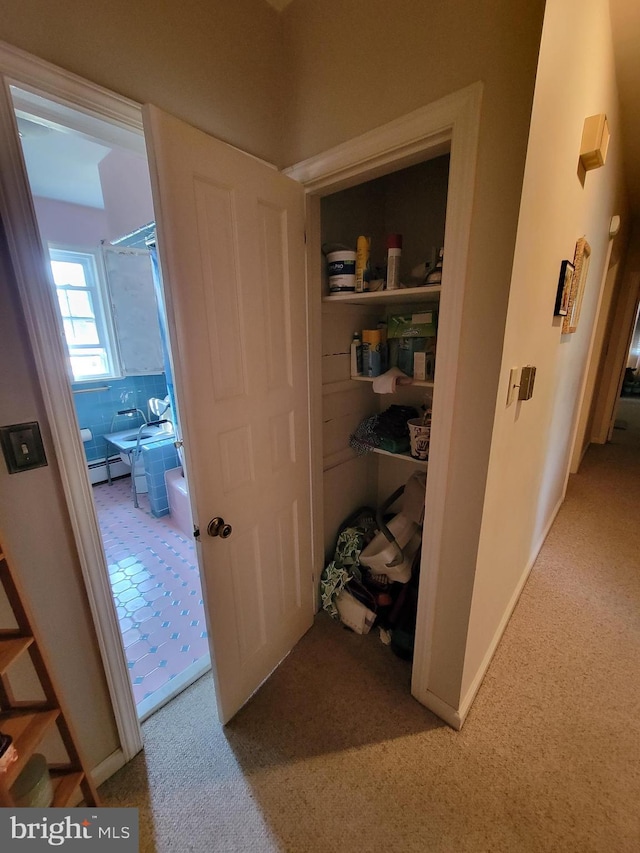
81 299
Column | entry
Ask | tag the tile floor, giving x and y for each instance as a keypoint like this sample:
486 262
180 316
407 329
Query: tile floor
156 588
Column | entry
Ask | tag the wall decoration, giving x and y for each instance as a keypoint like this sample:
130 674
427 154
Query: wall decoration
564 289
581 260
595 142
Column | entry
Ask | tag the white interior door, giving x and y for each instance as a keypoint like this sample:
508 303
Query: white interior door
231 246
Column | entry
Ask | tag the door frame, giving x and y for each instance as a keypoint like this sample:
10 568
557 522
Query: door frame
448 125
37 299
451 122
609 387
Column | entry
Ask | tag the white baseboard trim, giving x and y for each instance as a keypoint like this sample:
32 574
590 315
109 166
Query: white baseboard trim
470 695
108 767
443 710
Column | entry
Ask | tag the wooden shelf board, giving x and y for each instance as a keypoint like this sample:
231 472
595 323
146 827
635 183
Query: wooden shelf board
416 383
403 294
64 787
27 731
11 649
406 457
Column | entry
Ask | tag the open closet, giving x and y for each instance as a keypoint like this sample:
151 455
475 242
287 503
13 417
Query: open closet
411 202
414 177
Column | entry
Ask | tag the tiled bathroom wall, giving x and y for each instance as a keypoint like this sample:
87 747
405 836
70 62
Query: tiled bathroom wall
96 409
159 458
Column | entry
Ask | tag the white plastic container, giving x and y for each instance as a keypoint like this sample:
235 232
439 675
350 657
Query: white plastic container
341 267
394 251
380 551
356 355
354 614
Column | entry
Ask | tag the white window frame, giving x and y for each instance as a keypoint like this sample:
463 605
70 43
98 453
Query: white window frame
101 305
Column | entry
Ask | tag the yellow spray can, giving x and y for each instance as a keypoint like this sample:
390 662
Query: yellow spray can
363 247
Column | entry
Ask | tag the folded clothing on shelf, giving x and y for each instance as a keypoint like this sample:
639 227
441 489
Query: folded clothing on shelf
387 431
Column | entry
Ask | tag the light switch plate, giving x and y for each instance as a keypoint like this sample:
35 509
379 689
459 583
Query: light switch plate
22 447
512 392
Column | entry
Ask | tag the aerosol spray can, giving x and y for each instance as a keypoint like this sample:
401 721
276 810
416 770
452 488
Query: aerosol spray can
363 247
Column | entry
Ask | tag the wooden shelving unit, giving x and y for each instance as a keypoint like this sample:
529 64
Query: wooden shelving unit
404 457
27 722
415 383
430 293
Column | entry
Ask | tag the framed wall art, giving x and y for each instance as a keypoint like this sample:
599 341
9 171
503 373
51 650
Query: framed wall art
581 260
564 289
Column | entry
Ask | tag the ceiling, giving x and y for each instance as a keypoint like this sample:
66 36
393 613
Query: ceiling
63 148
77 146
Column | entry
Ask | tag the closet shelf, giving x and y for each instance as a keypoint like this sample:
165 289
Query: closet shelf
406 457
417 383
390 297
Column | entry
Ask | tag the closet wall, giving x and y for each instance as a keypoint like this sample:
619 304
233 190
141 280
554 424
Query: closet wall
195 62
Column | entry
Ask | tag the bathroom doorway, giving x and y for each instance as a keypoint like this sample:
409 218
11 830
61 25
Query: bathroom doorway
91 195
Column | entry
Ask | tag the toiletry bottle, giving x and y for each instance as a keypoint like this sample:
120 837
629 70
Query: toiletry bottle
394 250
363 247
371 352
384 347
356 355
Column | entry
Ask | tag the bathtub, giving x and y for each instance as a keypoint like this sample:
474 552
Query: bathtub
179 507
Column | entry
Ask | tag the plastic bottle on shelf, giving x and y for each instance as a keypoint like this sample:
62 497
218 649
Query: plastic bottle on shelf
371 352
394 251
384 347
363 247
356 355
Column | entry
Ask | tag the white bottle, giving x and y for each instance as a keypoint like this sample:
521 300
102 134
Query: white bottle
356 355
394 250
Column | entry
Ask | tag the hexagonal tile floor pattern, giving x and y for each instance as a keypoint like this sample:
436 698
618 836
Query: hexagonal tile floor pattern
156 587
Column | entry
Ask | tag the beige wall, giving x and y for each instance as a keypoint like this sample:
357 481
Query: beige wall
36 532
217 65
351 66
532 440
356 64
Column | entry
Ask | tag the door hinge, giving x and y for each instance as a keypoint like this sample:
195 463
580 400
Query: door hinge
196 532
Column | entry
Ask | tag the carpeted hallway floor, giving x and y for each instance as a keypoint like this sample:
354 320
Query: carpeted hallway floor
332 754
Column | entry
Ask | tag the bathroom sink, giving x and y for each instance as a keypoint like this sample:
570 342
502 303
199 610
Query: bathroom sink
127 439
134 436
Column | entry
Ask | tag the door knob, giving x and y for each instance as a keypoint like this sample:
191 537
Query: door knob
218 527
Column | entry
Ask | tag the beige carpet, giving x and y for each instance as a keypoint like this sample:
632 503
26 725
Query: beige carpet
333 754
